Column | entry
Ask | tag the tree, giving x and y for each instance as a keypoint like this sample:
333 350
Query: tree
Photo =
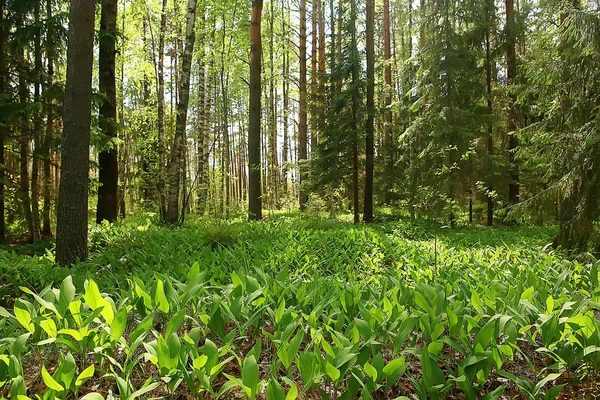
108 205
302 125
3 100
72 218
49 106
254 158
176 164
511 75
388 90
370 128
161 110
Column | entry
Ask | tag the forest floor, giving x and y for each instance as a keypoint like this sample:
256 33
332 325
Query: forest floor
297 307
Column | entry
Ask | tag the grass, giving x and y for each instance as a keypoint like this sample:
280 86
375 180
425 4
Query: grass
301 308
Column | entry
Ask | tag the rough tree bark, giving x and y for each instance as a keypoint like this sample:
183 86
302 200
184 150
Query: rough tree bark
490 129
71 230
24 144
176 164
3 89
286 100
161 111
47 210
108 164
37 126
302 126
370 128
314 58
511 75
388 124
355 105
254 159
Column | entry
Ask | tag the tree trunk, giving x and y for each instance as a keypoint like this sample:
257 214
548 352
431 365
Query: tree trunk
389 88
254 158
161 111
202 151
3 91
355 105
490 129
511 74
177 152
108 164
286 101
302 128
47 210
71 230
37 127
24 144
314 58
370 128
273 164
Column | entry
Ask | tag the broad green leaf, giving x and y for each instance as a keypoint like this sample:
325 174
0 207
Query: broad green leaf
371 371
92 396
23 315
118 324
160 300
50 382
332 371
200 362
275 391
85 375
250 374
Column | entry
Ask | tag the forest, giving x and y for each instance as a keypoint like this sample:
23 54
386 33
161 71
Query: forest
299 199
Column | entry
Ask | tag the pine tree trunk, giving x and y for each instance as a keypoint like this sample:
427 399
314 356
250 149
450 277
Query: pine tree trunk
314 58
389 88
3 91
511 72
37 127
177 153
161 111
355 105
72 220
490 130
370 128
302 128
286 101
254 157
47 210
24 145
273 164
108 166
226 141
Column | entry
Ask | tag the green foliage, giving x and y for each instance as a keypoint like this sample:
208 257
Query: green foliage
294 306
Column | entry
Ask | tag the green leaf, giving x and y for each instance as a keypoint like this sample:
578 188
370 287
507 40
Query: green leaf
292 394
371 371
175 322
160 299
23 315
117 327
280 311
92 396
543 382
200 362
50 382
332 371
275 391
250 375
143 390
85 375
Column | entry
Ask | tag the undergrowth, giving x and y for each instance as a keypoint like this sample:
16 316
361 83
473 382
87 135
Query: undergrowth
301 308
